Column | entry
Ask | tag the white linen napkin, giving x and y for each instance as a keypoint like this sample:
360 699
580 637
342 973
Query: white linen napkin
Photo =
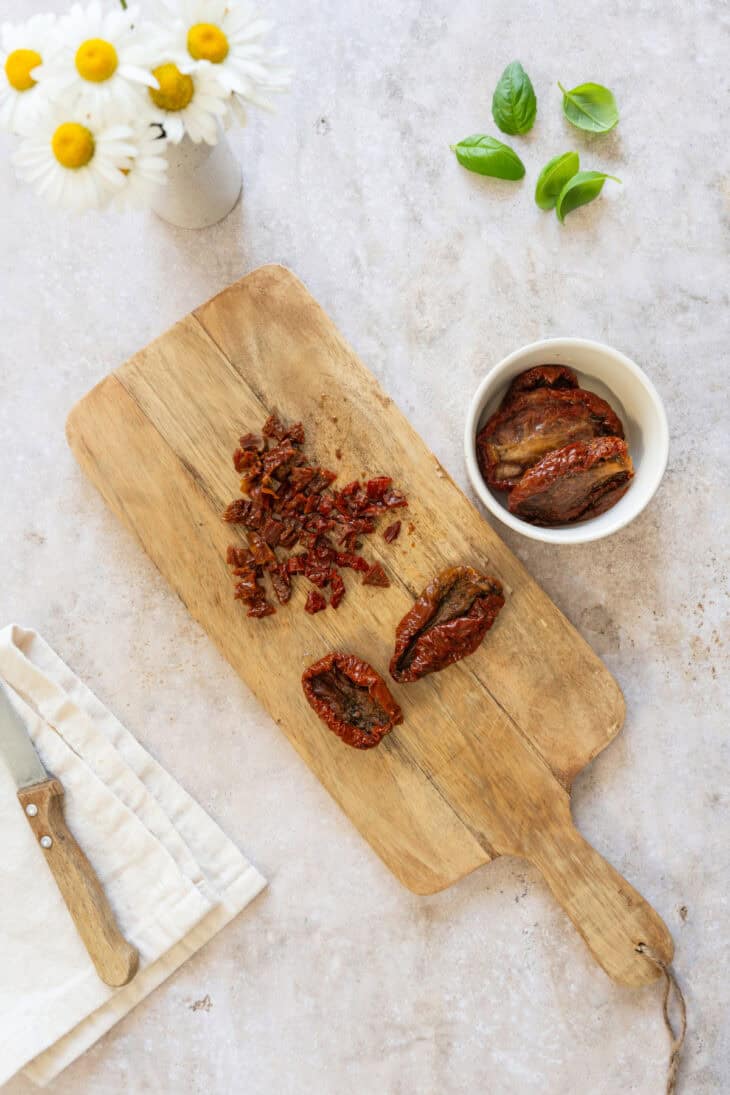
172 877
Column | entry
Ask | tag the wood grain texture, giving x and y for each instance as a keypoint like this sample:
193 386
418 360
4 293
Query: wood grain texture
483 764
115 959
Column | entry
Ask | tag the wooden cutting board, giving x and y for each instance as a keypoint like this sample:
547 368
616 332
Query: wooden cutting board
483 764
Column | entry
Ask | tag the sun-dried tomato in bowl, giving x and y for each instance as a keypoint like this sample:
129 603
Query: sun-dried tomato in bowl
533 422
556 377
352 699
531 447
576 482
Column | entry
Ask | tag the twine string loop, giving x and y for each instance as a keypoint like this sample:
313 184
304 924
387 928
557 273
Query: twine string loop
671 991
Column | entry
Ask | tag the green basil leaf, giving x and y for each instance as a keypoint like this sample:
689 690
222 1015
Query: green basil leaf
553 177
514 103
488 156
581 189
591 107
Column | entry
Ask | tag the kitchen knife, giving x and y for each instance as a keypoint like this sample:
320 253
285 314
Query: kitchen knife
41 797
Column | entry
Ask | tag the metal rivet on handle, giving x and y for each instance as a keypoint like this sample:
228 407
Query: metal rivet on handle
31 809
46 842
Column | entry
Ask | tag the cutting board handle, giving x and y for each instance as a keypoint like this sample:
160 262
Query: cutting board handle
610 914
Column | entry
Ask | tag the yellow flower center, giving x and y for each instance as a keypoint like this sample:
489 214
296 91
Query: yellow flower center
18 68
206 42
73 145
175 90
96 60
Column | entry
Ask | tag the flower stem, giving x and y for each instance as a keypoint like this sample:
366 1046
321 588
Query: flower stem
124 4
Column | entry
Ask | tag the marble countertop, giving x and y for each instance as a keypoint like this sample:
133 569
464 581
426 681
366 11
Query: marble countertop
337 978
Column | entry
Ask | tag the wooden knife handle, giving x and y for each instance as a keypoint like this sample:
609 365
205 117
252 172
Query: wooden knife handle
115 959
611 915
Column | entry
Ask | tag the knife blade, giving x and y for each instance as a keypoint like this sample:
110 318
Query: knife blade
41 797
17 748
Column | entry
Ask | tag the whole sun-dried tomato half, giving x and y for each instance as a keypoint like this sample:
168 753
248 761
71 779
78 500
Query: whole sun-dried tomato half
447 622
351 699
534 423
541 376
574 483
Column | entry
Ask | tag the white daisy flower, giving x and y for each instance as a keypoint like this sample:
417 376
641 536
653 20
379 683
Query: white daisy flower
145 171
75 158
226 35
23 47
188 102
103 60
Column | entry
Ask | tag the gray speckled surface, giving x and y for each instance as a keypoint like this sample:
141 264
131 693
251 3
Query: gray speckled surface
337 978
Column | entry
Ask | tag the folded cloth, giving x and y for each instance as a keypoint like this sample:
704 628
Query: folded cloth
172 877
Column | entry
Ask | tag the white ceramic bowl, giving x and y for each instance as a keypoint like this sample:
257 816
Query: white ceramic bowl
631 394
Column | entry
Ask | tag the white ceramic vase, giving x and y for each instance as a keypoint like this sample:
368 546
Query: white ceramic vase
203 183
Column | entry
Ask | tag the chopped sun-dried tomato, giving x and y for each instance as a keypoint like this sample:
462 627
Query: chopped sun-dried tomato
376 488
281 581
289 503
394 499
238 556
354 562
338 589
252 441
261 608
315 602
297 564
262 553
237 512
376 576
